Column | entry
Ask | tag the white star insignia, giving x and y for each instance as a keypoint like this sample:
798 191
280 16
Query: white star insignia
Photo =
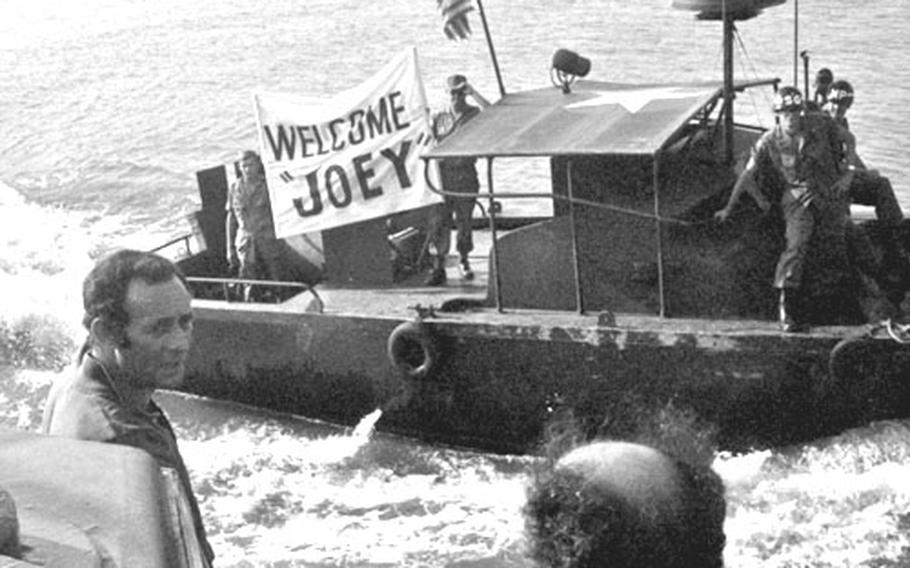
634 99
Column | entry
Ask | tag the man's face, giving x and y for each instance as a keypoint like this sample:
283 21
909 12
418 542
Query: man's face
789 121
158 334
457 97
836 109
249 166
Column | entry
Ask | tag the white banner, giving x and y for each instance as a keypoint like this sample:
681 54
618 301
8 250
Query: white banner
349 158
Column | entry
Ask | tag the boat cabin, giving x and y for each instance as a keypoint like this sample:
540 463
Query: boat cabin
637 172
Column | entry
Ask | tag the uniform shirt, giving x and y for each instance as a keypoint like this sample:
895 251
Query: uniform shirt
249 201
460 174
848 141
83 405
822 158
809 162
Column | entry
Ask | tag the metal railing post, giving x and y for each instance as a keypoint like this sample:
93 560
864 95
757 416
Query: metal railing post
494 254
576 263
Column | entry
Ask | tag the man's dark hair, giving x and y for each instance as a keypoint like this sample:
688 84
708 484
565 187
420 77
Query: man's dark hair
104 289
250 154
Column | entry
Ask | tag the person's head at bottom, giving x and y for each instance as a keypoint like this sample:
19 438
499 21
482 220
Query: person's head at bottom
138 314
622 504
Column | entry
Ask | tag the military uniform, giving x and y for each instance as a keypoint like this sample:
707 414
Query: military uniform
805 168
258 251
457 175
869 187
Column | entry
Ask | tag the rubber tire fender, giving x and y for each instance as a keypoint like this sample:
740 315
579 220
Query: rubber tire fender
400 348
849 356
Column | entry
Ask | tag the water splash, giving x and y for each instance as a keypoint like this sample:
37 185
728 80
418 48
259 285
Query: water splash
367 426
44 256
286 491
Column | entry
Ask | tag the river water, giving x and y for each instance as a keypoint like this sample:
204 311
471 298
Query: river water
108 107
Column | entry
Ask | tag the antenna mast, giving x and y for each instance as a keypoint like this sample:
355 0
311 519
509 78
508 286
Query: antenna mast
728 83
796 43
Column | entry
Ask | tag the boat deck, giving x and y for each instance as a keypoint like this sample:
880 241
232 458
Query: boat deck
402 302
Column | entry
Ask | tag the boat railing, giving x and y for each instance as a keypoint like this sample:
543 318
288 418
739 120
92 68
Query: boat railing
237 289
187 249
572 201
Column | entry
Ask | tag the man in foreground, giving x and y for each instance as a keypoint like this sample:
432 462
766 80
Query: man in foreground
138 315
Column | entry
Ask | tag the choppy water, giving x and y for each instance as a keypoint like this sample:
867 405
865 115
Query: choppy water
107 107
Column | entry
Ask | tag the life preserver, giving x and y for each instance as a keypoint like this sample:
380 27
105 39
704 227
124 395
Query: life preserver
843 359
411 349
897 331
852 352
853 359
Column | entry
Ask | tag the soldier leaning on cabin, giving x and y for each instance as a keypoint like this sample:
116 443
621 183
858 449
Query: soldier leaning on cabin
801 153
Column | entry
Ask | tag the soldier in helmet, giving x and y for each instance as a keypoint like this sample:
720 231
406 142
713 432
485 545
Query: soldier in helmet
801 152
823 80
865 186
839 100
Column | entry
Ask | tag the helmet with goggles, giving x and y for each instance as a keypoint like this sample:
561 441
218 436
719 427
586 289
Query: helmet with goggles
841 93
788 99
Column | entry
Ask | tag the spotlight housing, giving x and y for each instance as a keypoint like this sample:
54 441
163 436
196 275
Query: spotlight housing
566 67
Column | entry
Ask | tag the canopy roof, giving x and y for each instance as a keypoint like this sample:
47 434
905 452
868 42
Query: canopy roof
594 118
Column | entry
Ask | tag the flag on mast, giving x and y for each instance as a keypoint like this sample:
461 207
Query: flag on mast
455 18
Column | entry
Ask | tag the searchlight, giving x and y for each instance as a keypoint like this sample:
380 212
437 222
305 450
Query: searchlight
568 66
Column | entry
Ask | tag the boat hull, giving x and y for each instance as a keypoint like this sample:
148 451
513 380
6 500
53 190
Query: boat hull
500 379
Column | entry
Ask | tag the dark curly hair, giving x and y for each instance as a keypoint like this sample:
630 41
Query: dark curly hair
104 289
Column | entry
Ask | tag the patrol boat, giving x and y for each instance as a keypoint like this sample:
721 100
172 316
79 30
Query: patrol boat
628 300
